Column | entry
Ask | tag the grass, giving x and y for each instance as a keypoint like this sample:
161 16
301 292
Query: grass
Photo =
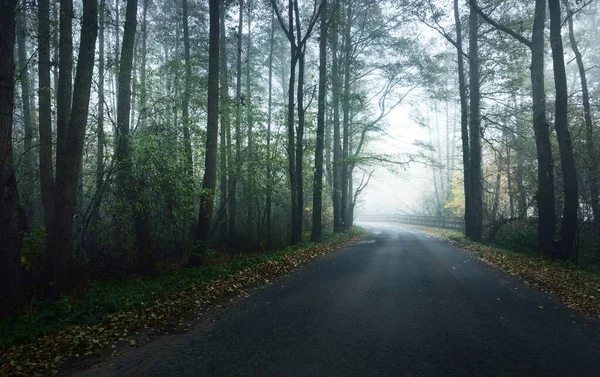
95 303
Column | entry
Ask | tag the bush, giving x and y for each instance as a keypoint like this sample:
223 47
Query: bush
519 236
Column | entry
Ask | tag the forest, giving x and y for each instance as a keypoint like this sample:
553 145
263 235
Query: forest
139 137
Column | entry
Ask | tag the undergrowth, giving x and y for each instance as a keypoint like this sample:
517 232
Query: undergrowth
94 303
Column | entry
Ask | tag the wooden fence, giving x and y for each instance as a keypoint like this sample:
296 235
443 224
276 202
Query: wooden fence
457 223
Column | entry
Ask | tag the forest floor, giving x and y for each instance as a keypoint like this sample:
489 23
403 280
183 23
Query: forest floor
576 286
102 320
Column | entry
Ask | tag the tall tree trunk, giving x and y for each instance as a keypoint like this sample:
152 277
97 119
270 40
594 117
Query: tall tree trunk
101 103
475 130
65 60
346 117
187 144
69 156
545 194
269 120
28 166
249 122
464 120
337 146
238 136
568 228
56 259
225 123
143 90
10 261
317 228
511 206
291 146
592 154
44 112
299 219
212 132
117 53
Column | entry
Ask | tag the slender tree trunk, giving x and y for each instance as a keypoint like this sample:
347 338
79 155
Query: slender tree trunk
496 201
464 120
545 194
475 129
568 227
249 122
101 103
317 228
28 166
509 183
346 117
10 261
238 133
225 123
299 219
69 156
45 113
337 146
185 116
212 132
291 146
269 121
592 155
143 90
64 90
117 52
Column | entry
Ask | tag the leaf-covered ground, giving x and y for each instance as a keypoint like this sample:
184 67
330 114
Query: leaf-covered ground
169 300
575 287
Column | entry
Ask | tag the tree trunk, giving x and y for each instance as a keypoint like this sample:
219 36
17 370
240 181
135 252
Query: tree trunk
56 261
269 120
317 228
464 120
101 103
346 118
28 166
225 123
10 261
592 155
143 91
568 228
238 133
65 78
185 116
291 148
69 156
249 123
545 194
44 112
337 146
212 132
299 219
475 130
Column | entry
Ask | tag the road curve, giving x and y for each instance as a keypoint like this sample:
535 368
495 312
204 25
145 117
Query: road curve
398 303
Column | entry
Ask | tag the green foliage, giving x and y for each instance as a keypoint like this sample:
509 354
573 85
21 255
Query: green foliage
32 248
518 236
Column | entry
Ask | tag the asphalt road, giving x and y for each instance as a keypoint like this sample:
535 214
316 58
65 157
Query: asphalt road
399 303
